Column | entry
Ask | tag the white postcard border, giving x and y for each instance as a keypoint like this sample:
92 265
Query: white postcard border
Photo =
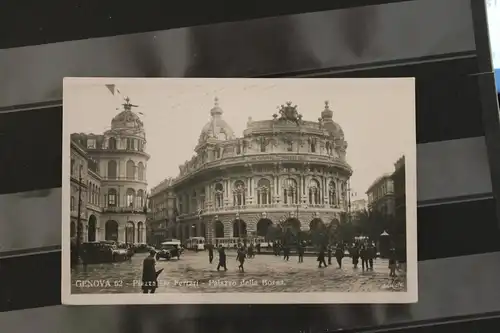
410 296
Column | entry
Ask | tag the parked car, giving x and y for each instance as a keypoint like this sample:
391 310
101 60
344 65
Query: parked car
99 252
142 248
169 250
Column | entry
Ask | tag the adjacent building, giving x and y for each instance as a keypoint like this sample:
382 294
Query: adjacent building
283 171
381 195
399 180
162 211
359 205
108 173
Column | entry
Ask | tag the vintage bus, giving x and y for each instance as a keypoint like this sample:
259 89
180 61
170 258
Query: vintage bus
196 243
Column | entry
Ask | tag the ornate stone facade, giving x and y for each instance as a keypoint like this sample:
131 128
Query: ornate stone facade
282 171
114 183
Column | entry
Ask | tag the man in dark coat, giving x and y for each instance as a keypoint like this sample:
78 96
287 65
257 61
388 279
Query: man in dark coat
339 254
329 251
210 253
363 253
149 274
321 257
222 258
371 254
300 251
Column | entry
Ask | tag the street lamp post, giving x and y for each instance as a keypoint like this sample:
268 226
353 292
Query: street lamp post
78 228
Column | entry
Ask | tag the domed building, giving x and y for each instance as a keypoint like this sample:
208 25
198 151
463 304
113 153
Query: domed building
115 188
283 173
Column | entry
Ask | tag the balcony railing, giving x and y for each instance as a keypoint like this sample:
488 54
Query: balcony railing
124 210
132 179
117 150
74 213
263 207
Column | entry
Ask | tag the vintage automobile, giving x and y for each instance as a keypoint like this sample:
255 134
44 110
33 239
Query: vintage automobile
169 249
102 252
142 248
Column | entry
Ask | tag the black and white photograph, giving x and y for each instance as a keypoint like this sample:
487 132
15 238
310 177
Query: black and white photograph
246 191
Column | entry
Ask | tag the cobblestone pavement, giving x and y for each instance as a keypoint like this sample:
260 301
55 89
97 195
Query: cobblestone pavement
264 273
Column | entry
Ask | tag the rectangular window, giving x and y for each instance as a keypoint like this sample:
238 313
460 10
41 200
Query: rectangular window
111 200
91 143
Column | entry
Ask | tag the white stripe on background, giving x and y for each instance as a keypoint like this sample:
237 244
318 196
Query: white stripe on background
448 171
34 74
443 293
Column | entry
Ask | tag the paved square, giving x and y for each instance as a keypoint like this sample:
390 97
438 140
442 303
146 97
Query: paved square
264 273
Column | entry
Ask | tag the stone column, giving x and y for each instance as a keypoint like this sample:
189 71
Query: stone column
121 233
326 192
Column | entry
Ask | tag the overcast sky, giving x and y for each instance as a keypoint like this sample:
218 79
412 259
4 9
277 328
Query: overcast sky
377 115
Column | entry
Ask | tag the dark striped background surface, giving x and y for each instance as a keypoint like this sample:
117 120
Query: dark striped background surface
458 229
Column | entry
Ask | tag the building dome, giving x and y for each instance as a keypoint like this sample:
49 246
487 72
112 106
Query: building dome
217 128
332 127
127 120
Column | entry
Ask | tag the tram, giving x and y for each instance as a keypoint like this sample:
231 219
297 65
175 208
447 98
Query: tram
232 243
195 243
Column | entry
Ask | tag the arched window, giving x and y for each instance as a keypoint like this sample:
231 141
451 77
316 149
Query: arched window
112 169
194 201
262 145
72 166
140 233
332 193
314 192
239 193
140 199
290 191
264 192
72 204
130 197
219 195
187 204
313 146
98 202
112 202
140 171
130 169
112 143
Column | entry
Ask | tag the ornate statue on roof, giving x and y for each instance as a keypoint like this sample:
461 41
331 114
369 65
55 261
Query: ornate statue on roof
289 112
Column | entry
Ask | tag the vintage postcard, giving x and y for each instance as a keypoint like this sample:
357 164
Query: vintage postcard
239 191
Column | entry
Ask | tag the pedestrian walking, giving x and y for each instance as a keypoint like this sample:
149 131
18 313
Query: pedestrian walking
339 254
210 252
364 259
329 247
286 252
321 257
300 251
240 256
372 253
222 258
258 248
355 255
149 274
392 262
251 252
